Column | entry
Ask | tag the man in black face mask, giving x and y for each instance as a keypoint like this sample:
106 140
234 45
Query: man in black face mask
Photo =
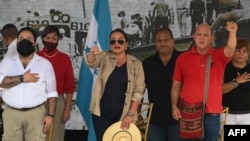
25 48
28 82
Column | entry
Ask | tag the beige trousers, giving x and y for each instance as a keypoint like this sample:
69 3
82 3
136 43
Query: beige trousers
23 125
59 127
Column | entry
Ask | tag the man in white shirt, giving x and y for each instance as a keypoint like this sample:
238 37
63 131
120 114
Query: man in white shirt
9 34
28 82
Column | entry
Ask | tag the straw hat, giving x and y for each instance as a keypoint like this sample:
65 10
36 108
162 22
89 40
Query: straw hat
115 133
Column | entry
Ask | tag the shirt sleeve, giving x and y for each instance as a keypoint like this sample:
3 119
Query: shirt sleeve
51 82
3 68
177 70
69 77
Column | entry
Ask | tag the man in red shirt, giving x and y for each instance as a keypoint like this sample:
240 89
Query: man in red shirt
189 76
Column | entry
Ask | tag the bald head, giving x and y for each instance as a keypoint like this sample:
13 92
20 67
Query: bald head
204 26
203 38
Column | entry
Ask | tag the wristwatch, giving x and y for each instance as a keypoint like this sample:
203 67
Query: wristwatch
21 78
130 114
235 83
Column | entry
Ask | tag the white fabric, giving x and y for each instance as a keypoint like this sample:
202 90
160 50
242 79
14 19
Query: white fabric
237 119
12 51
26 95
234 119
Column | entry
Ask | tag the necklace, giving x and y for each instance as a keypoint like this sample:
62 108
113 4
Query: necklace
50 56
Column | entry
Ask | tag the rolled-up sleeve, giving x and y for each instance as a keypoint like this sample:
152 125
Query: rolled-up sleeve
140 85
3 68
51 82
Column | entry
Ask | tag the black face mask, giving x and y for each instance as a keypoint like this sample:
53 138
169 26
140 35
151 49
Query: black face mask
25 48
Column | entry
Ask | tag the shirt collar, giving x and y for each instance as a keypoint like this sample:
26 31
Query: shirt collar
209 51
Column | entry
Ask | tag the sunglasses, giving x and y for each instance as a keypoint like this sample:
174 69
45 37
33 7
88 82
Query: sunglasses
121 42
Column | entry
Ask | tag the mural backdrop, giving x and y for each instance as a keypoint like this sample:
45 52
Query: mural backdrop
138 18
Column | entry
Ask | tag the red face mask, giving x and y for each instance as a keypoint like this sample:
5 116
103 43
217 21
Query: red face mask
49 46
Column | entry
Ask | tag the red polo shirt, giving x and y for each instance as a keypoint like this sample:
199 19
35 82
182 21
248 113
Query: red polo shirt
63 70
190 71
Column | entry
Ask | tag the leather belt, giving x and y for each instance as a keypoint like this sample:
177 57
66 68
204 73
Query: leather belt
26 109
212 114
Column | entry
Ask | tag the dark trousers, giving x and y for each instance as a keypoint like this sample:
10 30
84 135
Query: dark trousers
196 20
1 124
100 126
110 113
161 22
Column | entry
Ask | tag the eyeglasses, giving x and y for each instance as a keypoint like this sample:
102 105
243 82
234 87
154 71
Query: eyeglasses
121 42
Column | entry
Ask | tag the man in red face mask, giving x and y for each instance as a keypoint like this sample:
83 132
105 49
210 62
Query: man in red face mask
64 79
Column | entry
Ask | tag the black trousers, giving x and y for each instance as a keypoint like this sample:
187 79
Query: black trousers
1 124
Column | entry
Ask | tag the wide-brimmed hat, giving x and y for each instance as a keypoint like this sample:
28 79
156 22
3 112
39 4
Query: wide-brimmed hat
115 133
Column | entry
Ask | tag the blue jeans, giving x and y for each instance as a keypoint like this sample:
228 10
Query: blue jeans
211 128
163 133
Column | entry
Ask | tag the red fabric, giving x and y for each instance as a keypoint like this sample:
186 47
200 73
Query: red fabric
191 124
63 70
190 70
